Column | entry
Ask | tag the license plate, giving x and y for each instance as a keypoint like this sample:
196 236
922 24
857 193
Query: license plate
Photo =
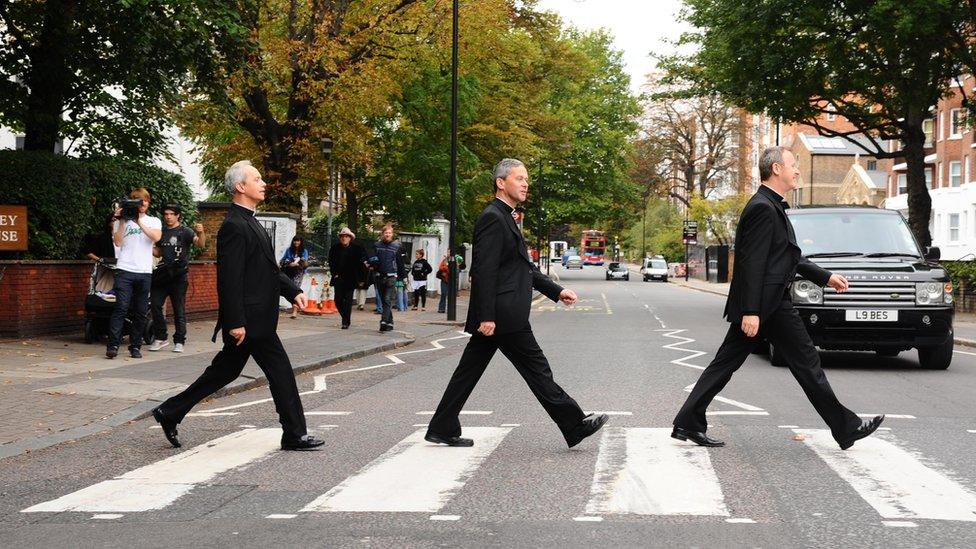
871 315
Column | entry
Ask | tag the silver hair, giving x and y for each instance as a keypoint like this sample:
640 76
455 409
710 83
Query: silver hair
235 174
770 156
503 168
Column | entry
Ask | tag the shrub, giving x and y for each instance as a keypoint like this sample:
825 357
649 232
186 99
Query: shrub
113 178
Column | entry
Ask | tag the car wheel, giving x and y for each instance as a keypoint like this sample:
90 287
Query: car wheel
645 279
776 357
937 357
608 277
665 279
627 277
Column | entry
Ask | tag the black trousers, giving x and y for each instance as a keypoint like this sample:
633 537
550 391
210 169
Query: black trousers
176 291
420 297
343 299
785 330
524 353
227 366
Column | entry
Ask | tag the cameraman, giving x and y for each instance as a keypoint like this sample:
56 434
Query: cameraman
169 279
134 234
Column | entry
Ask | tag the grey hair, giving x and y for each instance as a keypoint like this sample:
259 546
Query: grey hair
770 156
502 169
235 174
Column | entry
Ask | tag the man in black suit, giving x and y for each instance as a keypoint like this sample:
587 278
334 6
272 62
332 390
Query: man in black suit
347 264
766 260
248 285
502 279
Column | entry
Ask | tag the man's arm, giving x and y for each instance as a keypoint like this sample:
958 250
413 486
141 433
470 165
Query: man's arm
151 230
200 237
488 238
545 284
751 254
231 250
118 235
813 272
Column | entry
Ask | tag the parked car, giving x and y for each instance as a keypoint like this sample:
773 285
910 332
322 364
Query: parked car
899 297
574 262
617 270
655 268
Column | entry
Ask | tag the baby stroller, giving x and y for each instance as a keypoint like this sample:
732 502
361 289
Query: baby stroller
100 302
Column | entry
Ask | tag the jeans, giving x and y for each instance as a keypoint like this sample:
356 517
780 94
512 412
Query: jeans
379 299
386 286
176 291
401 299
131 290
442 303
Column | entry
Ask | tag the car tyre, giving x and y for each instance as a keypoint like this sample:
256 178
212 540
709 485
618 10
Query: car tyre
665 279
645 279
776 357
626 277
937 357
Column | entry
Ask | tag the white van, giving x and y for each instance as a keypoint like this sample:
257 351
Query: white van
655 268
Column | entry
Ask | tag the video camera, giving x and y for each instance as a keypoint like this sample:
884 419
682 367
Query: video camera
130 208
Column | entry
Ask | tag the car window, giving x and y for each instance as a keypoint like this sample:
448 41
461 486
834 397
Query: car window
659 264
614 266
864 232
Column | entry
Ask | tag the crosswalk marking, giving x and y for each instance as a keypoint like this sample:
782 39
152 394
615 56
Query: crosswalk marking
893 480
161 483
643 471
413 476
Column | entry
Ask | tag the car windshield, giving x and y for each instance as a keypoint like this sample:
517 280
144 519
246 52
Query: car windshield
658 264
853 233
614 266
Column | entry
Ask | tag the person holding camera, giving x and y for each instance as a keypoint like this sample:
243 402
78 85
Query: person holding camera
293 263
134 234
170 276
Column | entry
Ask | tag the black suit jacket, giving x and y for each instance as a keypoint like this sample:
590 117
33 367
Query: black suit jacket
502 274
767 258
249 280
348 268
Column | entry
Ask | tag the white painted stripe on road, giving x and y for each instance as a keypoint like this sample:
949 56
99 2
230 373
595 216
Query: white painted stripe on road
887 416
736 413
413 476
445 517
971 430
609 413
899 484
281 516
463 413
643 471
963 352
511 425
161 483
211 414
674 346
740 521
606 303
327 413
899 524
588 519
788 426
107 516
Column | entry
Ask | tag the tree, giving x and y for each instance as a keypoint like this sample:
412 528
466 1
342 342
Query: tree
880 64
719 217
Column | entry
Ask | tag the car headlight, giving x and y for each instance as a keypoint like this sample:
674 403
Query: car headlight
929 293
807 293
947 288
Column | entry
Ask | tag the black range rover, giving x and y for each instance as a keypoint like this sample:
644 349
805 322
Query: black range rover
898 298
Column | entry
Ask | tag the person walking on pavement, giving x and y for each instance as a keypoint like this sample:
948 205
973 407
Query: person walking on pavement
293 263
170 279
249 283
766 260
419 272
502 279
347 261
444 275
389 269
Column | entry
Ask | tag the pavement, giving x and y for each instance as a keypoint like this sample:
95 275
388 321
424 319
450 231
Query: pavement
58 389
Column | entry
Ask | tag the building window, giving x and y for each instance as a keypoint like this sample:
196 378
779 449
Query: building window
19 142
953 227
902 183
928 126
872 164
831 113
957 121
955 173
965 177
928 178
941 125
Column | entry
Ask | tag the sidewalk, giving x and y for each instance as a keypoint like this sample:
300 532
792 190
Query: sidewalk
57 388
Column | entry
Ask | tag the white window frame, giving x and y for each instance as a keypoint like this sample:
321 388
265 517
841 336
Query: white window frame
902 177
965 170
941 126
930 135
955 173
953 228
831 112
928 179
956 124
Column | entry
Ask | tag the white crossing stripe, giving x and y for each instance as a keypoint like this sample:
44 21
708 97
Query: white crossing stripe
463 413
897 483
413 476
161 483
644 471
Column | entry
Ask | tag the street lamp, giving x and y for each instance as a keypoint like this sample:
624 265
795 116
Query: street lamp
452 233
327 144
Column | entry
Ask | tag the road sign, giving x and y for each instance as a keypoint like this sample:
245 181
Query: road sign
13 228
690 233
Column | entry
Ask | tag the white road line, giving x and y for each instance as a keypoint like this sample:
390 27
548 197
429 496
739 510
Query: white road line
606 303
674 346
650 310
207 413
735 413
643 471
445 517
888 416
588 519
899 484
280 516
107 516
511 425
963 352
463 413
609 413
327 413
899 524
740 521
971 430
161 483
788 426
420 425
413 476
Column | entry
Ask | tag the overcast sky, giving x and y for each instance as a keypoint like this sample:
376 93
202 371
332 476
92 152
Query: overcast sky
639 27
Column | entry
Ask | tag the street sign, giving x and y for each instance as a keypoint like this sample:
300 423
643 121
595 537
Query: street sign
690 233
13 228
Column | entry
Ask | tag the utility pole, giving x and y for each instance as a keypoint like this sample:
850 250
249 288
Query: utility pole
452 237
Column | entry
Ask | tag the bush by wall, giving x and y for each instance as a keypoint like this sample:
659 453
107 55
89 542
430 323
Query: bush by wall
113 178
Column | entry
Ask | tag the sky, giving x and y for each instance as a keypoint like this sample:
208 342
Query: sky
639 27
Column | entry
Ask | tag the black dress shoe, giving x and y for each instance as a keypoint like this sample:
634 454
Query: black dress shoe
169 428
450 441
864 430
590 424
307 442
344 327
134 353
697 437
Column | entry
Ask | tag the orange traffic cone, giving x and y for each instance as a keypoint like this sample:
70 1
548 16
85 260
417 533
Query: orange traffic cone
328 306
311 306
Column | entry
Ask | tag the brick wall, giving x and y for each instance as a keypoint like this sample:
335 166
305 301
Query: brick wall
48 297
211 215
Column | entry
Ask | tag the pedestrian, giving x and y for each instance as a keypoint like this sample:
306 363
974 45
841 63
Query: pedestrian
401 291
419 272
389 269
135 233
98 246
362 289
249 282
293 263
347 261
170 277
766 261
502 279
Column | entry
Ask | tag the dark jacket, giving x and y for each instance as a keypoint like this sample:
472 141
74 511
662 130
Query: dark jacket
420 269
347 265
767 259
502 275
249 281
389 259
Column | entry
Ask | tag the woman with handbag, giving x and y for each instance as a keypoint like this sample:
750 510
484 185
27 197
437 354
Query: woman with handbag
294 263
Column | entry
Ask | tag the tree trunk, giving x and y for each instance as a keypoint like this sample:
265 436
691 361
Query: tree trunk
49 77
352 209
282 193
919 201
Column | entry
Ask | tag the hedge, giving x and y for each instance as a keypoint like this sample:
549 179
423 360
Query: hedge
113 178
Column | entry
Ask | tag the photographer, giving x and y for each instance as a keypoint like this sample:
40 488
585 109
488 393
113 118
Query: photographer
134 234
170 276
293 263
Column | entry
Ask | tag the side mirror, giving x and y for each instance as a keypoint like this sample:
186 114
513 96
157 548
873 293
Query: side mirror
932 253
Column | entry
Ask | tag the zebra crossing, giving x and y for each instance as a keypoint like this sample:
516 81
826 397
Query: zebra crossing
637 471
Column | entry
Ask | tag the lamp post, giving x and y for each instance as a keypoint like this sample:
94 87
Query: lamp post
452 236
327 153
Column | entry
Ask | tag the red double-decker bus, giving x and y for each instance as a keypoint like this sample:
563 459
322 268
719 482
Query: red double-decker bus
593 247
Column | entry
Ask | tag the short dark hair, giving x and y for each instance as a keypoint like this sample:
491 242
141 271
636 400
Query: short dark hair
770 156
175 208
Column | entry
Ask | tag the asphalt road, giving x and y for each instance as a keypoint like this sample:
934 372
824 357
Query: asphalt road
629 348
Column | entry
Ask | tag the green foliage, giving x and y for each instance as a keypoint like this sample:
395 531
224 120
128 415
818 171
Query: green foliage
114 178
961 272
56 192
717 219
662 234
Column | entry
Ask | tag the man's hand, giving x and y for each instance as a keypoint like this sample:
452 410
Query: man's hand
838 282
238 334
301 300
487 328
198 228
568 297
750 325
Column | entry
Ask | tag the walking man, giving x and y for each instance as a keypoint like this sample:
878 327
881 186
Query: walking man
347 262
502 279
170 276
766 261
389 269
248 285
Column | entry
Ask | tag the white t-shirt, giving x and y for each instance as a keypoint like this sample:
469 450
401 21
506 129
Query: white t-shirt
135 255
